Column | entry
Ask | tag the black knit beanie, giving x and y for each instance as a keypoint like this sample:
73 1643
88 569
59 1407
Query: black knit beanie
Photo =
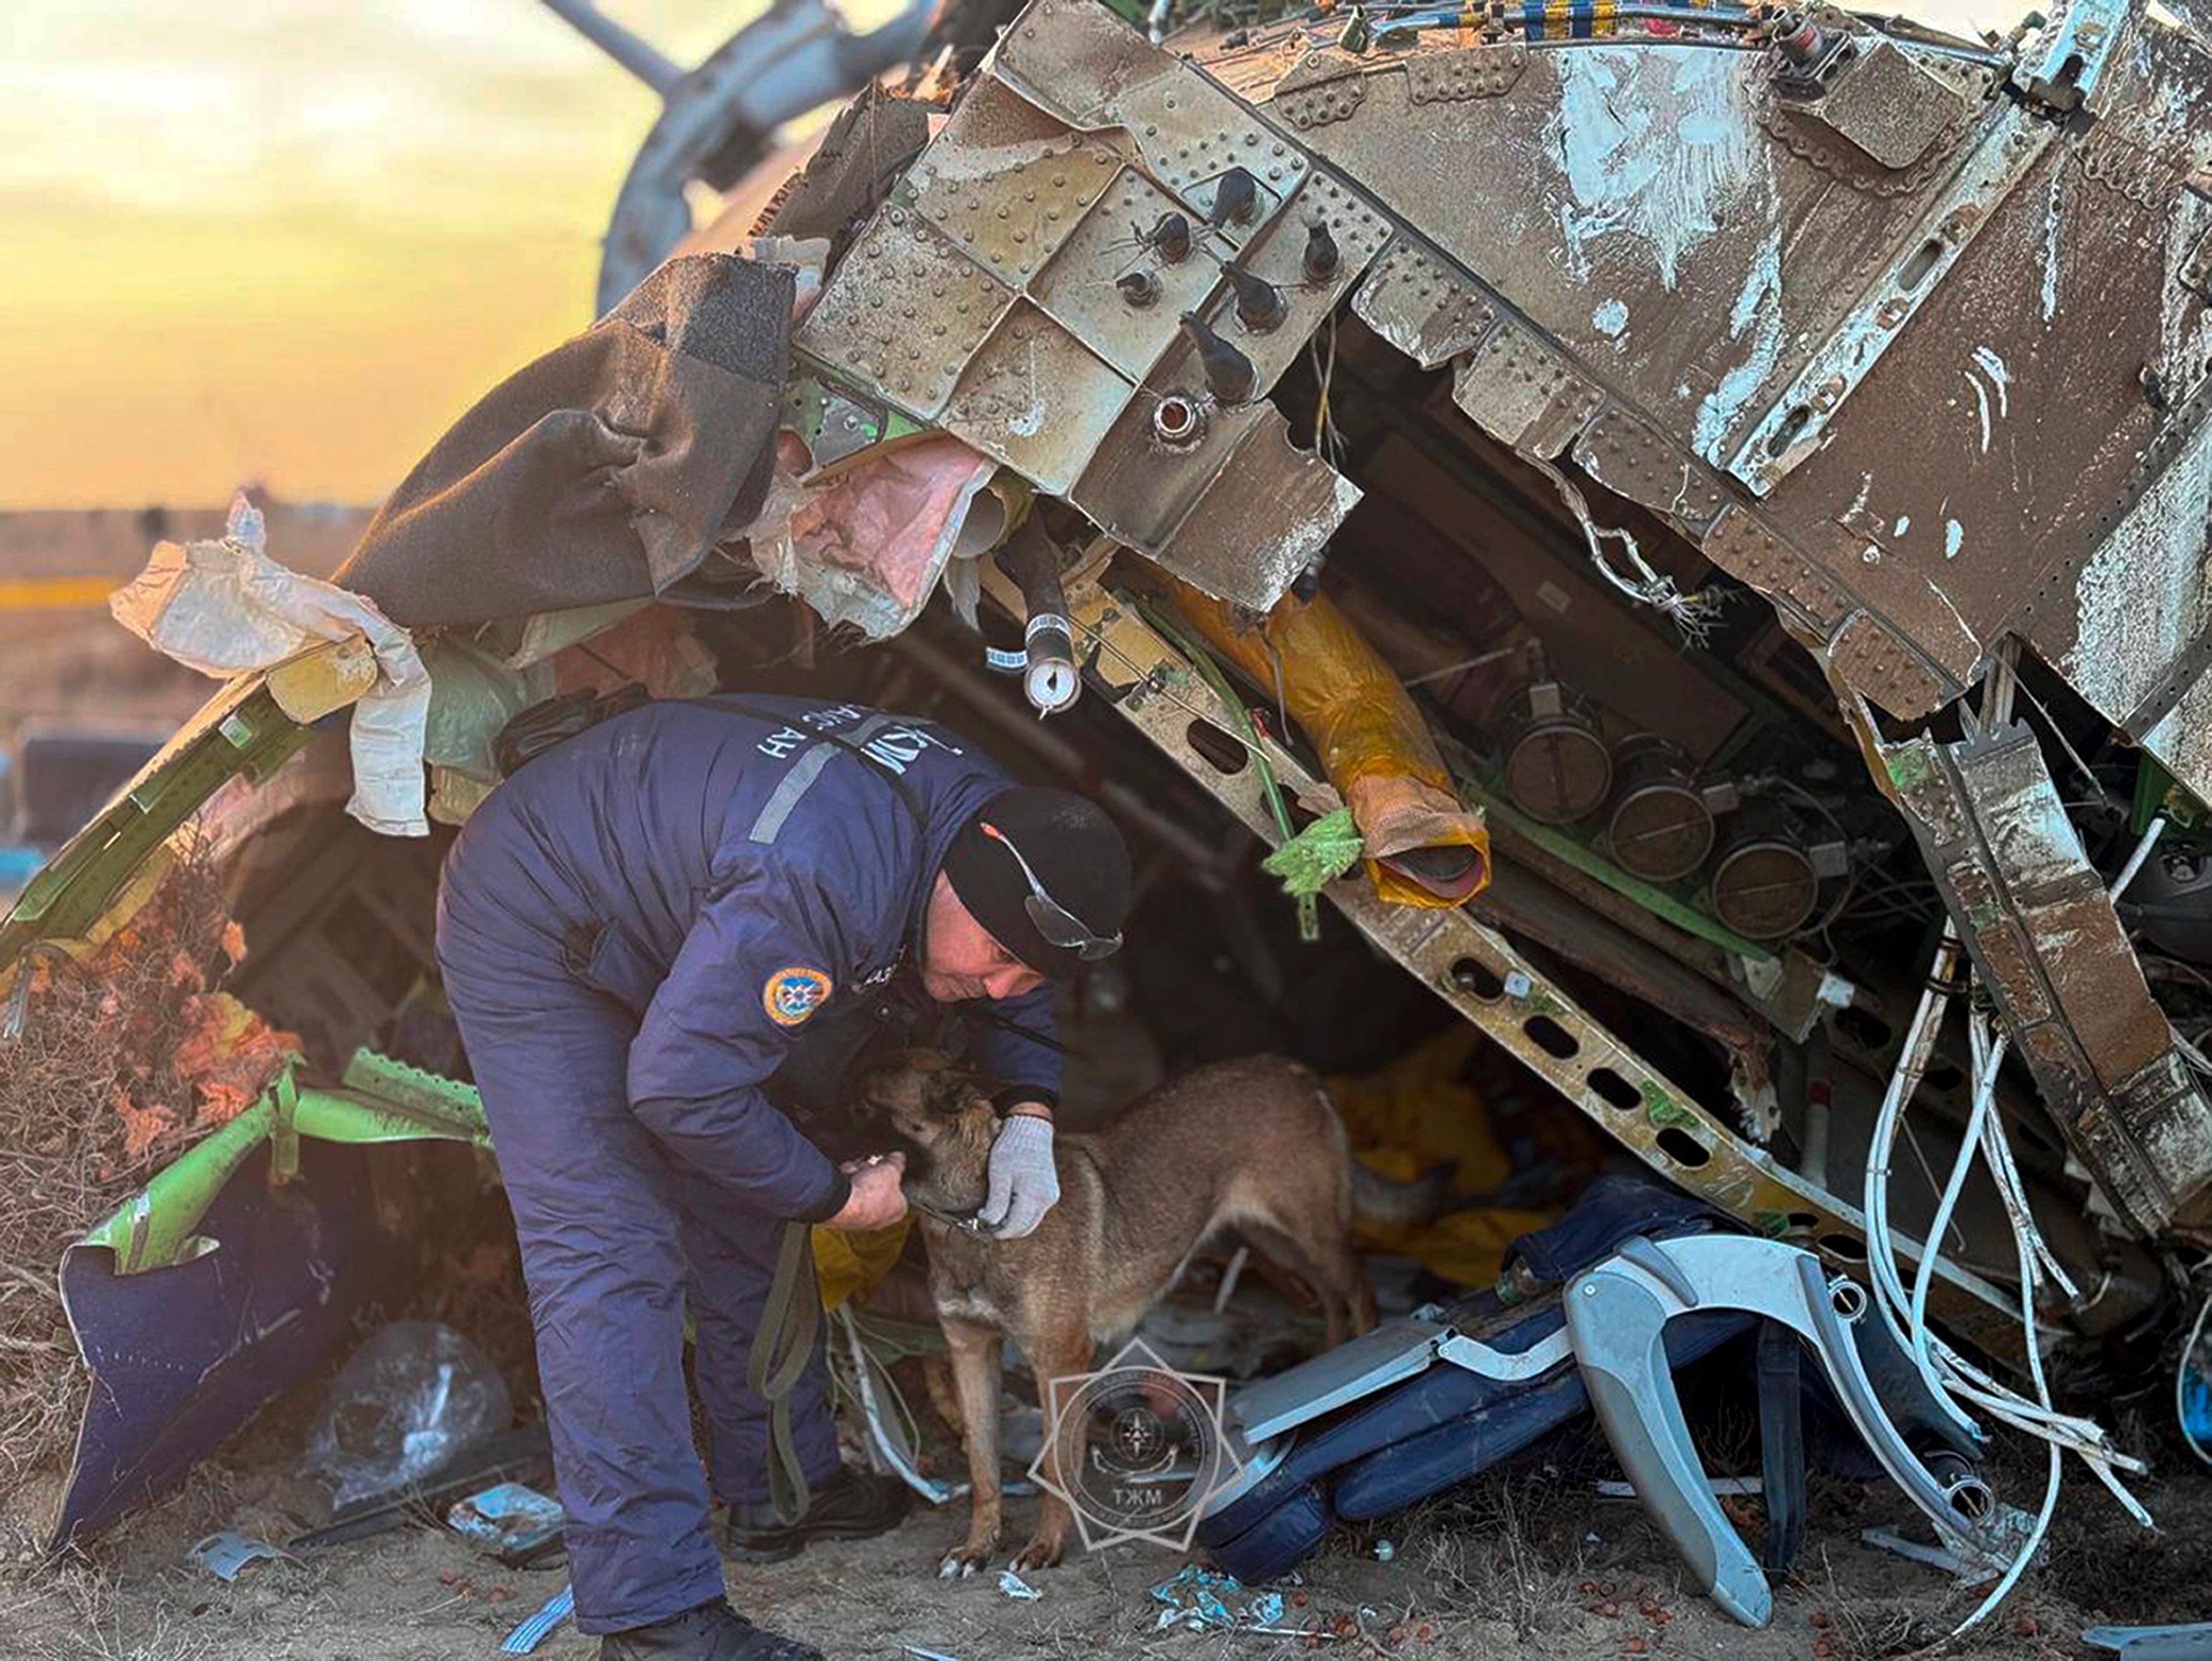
1077 853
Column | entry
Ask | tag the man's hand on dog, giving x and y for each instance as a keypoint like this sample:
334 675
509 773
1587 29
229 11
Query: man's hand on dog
877 1199
1023 1183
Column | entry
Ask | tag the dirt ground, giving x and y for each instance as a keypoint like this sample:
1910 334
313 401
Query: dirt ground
1528 1563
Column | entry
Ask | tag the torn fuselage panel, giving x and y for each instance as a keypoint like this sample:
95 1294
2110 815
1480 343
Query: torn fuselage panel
2046 939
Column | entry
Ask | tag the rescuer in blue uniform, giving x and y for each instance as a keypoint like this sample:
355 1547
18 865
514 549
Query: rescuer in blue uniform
641 934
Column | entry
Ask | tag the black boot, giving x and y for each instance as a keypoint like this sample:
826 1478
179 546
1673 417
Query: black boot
849 1506
712 1632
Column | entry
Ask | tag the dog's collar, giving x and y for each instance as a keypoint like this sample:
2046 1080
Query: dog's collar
966 1225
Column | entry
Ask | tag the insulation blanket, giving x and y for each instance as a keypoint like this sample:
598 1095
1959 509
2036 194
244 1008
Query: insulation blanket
1373 743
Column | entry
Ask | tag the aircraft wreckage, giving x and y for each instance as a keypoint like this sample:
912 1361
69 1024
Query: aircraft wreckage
1720 494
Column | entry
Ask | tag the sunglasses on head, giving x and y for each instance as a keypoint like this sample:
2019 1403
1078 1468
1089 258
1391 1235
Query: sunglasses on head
1060 927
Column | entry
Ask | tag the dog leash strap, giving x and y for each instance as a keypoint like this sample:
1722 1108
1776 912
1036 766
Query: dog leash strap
790 1322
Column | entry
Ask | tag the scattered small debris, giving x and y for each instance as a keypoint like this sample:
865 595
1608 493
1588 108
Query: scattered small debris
1014 1586
1739 1487
1200 1600
550 1613
226 1556
509 1519
1385 1551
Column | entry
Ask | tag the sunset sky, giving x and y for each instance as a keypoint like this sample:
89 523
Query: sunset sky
289 240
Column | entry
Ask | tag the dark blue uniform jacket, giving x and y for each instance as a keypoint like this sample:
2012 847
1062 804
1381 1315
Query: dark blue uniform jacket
729 878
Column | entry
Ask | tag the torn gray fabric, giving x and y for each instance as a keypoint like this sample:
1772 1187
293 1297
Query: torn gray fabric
609 469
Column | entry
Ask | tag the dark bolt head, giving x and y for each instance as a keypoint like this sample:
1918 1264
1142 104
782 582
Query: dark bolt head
1259 304
1321 258
1234 198
1171 238
1229 374
1138 289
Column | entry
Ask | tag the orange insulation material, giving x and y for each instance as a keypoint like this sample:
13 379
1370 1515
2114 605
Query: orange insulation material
1371 740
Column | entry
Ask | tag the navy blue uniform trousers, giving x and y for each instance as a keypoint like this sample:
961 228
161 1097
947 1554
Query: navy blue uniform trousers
616 1237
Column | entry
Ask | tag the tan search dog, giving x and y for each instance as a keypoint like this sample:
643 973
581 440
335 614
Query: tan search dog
1253 1145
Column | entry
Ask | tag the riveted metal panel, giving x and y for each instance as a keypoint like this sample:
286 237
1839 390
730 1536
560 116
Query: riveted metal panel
1452 75
1744 546
1632 459
904 313
1422 307
1075 57
1078 286
1873 660
1320 88
1524 394
1007 184
1034 397
1889 106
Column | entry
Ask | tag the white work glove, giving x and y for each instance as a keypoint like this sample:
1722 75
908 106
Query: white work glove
1023 1183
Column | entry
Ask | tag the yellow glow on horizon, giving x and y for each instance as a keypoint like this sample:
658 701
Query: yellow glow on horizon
289 241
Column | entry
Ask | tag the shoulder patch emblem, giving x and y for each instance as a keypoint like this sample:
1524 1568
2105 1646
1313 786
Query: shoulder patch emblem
792 995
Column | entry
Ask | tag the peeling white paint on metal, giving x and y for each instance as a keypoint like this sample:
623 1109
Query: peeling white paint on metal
2000 377
1903 525
1610 319
2144 594
1955 537
1657 142
1757 309
1937 588
1981 399
1859 502
2050 242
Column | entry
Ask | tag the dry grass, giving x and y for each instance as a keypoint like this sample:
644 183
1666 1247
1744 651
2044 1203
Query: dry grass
92 1100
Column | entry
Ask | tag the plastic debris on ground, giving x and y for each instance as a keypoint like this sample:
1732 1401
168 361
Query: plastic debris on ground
2009 1529
551 1614
1728 1487
2189 1643
1200 1600
509 1519
228 1555
222 606
413 1397
1014 1586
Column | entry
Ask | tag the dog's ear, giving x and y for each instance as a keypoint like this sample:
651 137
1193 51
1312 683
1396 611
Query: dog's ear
951 1090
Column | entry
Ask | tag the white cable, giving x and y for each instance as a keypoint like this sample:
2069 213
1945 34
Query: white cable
2136 860
1693 613
1955 1380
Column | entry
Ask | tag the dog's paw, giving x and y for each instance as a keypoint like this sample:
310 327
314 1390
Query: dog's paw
963 1561
1041 1553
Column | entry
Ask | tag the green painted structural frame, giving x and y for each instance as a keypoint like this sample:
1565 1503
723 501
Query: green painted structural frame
381 1100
